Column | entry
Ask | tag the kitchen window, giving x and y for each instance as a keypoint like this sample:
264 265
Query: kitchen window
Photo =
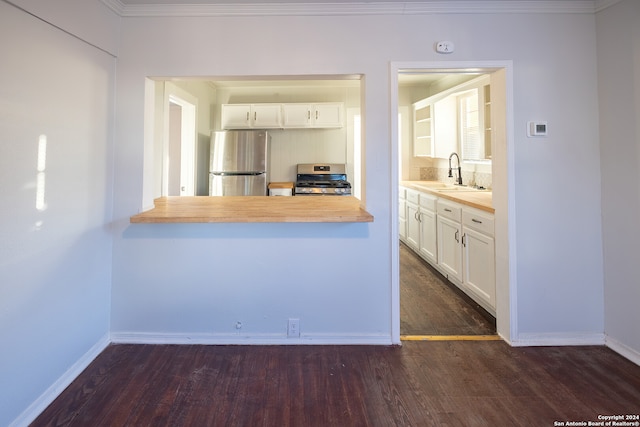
471 142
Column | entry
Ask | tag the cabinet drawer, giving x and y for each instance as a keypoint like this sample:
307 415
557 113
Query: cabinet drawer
479 221
412 196
450 210
428 202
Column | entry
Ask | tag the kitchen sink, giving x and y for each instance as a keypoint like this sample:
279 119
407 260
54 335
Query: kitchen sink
461 188
441 187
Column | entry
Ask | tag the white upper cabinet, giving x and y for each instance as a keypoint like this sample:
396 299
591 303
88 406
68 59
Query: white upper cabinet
247 116
318 115
283 116
422 129
445 127
457 119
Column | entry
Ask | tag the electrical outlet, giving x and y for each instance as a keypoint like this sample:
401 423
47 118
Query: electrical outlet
293 328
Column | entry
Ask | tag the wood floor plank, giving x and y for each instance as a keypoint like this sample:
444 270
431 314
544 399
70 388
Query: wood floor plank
433 383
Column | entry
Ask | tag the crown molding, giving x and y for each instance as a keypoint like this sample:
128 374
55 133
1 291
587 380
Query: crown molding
420 7
601 5
116 5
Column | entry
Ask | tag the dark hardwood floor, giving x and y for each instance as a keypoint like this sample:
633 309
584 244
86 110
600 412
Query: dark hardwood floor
421 383
429 305
444 383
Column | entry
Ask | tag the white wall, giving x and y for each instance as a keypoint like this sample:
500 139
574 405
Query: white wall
172 282
198 280
618 30
90 21
55 259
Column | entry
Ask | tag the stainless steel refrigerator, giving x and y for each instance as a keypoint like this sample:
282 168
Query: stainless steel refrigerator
239 163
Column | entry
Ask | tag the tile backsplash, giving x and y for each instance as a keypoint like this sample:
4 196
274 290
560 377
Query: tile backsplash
469 177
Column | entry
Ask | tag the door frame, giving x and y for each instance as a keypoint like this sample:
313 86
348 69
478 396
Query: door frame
503 171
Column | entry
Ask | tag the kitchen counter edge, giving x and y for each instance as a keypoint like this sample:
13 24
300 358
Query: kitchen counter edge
476 199
250 209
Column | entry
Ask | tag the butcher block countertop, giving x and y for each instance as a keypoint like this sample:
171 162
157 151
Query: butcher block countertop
479 199
204 209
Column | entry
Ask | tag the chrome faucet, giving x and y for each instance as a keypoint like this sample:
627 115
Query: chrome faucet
459 168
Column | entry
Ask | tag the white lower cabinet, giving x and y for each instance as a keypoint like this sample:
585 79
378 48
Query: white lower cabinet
402 213
449 233
479 257
456 239
413 222
428 247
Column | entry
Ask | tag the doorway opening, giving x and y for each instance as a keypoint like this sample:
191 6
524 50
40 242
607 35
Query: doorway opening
179 173
497 164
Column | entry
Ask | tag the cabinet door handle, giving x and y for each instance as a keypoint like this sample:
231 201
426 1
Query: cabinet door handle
477 221
308 114
464 241
447 210
457 236
247 116
316 114
255 115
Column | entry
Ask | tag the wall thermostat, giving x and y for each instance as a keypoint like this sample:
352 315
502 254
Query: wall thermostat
537 129
445 47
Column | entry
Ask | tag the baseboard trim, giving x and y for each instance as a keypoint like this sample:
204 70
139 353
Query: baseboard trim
45 399
258 339
623 349
539 340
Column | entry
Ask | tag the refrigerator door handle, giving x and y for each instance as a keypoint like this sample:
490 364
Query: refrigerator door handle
237 173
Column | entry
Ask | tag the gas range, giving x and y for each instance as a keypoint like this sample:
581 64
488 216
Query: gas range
322 179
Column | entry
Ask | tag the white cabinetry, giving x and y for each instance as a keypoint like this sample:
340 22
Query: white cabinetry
422 129
456 239
402 213
247 116
449 232
479 256
318 115
413 222
428 247
445 127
